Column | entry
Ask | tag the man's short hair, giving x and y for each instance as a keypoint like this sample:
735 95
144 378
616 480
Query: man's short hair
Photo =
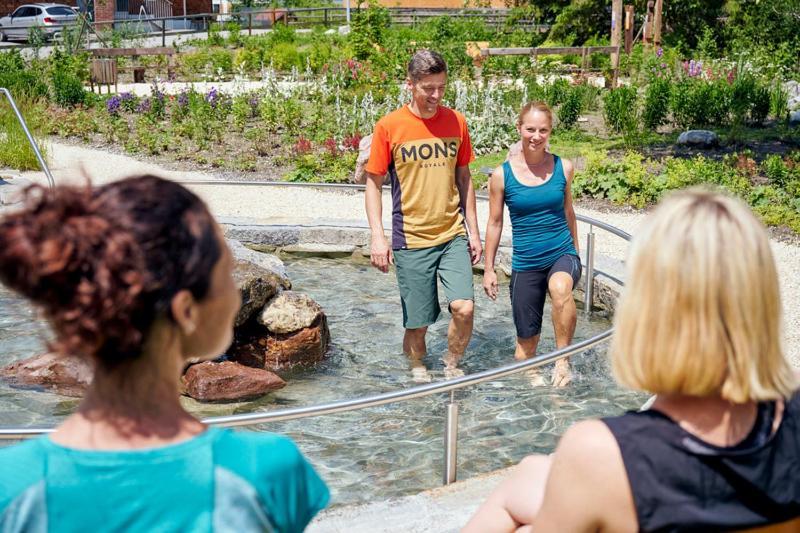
424 63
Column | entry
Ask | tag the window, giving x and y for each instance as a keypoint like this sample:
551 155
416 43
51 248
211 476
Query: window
59 11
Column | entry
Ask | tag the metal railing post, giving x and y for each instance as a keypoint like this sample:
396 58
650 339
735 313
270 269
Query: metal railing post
450 440
250 24
163 33
31 140
589 293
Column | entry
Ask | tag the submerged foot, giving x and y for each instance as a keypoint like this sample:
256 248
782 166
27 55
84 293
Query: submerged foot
535 378
451 372
419 374
562 374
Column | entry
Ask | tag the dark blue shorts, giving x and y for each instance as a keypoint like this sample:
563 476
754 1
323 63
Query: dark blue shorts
528 291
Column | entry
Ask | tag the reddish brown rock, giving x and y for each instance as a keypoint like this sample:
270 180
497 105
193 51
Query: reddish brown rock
302 347
69 376
228 381
277 351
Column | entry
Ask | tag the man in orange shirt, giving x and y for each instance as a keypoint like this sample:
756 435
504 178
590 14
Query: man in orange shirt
425 149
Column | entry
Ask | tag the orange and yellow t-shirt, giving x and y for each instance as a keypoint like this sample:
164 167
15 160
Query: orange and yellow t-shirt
420 156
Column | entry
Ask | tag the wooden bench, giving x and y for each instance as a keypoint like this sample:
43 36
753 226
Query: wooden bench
104 66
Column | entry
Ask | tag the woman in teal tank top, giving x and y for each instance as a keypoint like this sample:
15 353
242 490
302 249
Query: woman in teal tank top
535 185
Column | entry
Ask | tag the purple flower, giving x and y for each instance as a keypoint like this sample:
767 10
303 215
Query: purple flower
157 92
659 52
126 97
144 106
213 97
663 65
112 105
183 98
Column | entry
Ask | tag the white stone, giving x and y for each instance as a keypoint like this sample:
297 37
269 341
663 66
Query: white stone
699 138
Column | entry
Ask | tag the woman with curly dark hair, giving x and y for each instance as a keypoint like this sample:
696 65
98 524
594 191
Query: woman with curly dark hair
135 277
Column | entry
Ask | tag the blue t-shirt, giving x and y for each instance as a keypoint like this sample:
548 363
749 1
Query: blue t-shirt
220 480
539 231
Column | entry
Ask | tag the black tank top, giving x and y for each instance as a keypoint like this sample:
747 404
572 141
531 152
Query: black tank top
680 483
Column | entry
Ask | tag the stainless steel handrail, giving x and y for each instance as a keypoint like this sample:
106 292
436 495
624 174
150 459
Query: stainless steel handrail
451 423
31 140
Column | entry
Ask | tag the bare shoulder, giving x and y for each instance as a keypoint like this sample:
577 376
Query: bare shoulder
496 181
569 168
589 457
588 441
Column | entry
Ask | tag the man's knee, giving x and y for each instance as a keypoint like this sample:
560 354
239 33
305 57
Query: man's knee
462 309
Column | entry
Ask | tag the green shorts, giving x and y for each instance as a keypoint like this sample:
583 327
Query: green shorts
417 271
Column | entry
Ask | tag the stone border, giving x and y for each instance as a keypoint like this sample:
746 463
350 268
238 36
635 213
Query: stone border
340 239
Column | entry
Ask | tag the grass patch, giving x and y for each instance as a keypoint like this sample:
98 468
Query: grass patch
15 150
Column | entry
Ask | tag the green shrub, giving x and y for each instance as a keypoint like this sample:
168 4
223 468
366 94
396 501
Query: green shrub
691 105
67 73
760 104
284 56
21 80
742 97
778 102
556 92
15 151
620 109
656 102
570 108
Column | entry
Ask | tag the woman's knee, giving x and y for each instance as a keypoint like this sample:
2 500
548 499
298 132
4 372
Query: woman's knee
560 289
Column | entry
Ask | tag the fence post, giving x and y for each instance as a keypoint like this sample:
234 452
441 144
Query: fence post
589 292
450 440
163 33
249 24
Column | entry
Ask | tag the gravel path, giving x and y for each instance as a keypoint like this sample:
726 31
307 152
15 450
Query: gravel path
306 205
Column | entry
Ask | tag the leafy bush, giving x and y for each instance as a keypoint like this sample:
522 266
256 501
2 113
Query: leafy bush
67 73
656 102
778 102
570 108
620 109
20 79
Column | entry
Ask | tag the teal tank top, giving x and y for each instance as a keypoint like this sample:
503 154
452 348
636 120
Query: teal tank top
540 234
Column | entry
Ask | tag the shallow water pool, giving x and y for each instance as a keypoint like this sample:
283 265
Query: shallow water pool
393 449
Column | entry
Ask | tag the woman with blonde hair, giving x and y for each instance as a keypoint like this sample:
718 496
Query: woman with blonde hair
699 326
536 187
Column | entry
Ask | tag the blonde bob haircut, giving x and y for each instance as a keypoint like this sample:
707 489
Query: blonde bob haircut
701 314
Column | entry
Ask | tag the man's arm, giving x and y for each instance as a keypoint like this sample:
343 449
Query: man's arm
467 193
380 252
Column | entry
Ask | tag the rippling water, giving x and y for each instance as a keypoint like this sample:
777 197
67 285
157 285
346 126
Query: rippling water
393 449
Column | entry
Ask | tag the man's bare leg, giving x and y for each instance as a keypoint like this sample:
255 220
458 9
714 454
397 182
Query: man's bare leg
459 333
414 348
526 348
565 316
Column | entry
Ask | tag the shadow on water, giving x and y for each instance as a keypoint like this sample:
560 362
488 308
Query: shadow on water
392 449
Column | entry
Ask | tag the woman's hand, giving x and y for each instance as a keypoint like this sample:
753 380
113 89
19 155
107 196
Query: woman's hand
490 284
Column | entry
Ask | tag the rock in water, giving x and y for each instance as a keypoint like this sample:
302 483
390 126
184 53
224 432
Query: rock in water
228 381
69 376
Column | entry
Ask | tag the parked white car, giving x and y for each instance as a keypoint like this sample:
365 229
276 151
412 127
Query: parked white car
50 18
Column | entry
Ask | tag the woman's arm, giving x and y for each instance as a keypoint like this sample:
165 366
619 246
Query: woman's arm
569 211
494 228
582 487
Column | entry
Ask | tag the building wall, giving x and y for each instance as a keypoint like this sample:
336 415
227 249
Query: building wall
7 6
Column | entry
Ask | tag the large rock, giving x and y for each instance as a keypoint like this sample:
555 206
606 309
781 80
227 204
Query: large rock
228 381
69 376
701 138
303 347
278 351
289 311
258 279
264 260
794 118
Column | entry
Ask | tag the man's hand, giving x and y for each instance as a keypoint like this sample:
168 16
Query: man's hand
475 249
381 254
490 284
